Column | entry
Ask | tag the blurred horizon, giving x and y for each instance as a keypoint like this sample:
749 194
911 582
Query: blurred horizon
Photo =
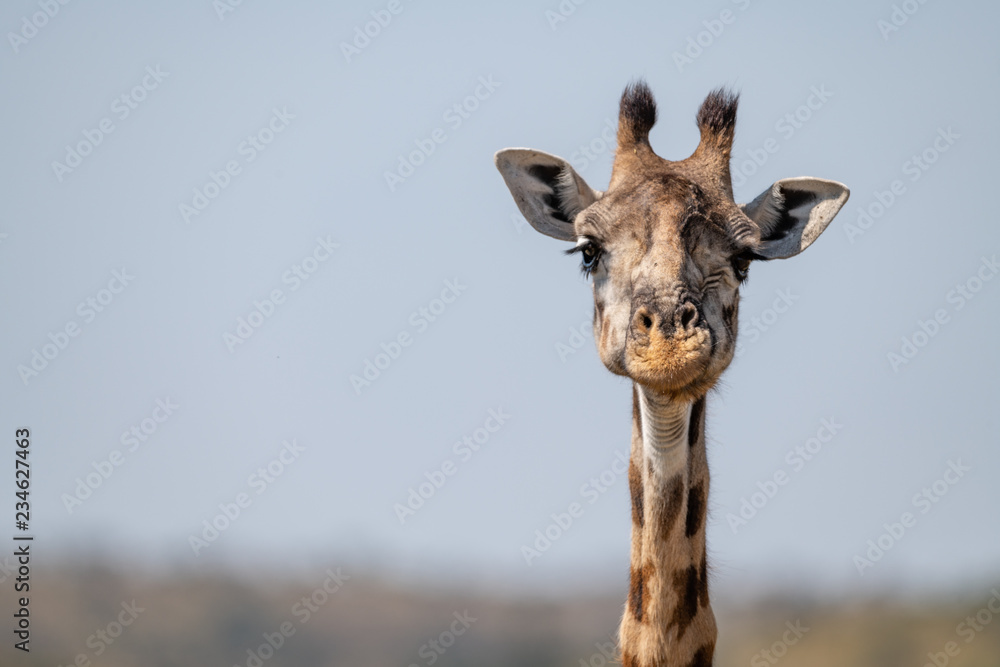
336 618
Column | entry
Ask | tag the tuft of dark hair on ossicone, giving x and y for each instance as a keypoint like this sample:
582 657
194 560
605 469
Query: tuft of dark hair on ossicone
717 116
637 112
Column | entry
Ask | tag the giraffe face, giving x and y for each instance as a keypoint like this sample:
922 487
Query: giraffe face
666 245
666 271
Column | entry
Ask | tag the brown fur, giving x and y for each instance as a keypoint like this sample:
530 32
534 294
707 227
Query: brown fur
697 424
686 591
667 248
666 229
674 625
635 598
668 251
695 510
703 657
635 489
669 503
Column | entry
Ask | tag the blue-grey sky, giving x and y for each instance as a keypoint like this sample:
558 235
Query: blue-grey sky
185 165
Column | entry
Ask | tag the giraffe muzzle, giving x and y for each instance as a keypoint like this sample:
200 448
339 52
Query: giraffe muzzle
668 350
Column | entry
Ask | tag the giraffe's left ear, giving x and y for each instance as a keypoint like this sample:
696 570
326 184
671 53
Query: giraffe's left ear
547 189
793 212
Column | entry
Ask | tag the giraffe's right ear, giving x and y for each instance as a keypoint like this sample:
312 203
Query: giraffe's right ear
546 188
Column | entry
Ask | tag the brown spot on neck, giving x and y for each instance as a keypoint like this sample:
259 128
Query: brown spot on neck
696 426
635 593
638 595
703 579
686 584
703 657
670 506
695 510
668 619
636 490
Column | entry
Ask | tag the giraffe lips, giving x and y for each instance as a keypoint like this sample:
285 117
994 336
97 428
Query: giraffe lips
675 365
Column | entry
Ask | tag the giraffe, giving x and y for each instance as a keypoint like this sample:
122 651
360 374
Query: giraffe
666 248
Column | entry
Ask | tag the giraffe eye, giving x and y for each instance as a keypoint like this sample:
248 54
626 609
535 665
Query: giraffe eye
741 267
591 254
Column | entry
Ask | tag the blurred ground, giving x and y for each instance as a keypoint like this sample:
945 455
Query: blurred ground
96 616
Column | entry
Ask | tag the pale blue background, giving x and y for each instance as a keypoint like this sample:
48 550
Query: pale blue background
495 346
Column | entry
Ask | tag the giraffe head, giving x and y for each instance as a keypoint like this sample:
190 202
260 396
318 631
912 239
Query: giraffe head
666 245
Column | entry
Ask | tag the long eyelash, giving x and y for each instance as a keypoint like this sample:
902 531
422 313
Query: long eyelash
749 255
744 279
587 271
584 242
581 244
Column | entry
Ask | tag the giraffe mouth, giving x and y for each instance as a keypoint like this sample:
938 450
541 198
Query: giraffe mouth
676 365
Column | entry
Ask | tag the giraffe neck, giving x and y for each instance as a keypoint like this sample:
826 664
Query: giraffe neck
668 621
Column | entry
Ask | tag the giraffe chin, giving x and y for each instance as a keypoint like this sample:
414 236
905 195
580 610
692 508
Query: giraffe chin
678 367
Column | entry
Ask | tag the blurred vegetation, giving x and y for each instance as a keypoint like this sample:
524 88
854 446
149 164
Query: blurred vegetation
191 620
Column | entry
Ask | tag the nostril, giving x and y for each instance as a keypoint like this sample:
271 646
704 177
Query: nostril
689 315
643 321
